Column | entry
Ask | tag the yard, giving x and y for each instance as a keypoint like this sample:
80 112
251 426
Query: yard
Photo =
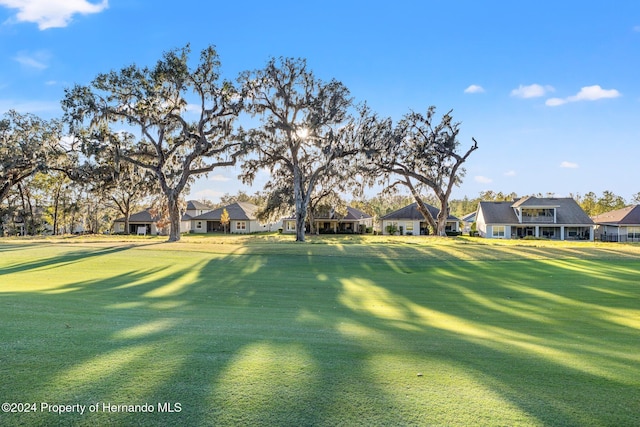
347 330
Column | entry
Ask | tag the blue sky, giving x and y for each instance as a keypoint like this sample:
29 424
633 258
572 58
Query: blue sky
550 90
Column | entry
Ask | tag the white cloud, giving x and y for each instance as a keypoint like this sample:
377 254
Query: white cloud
531 91
474 89
38 60
554 102
593 93
483 179
219 178
636 28
52 13
510 173
568 165
587 93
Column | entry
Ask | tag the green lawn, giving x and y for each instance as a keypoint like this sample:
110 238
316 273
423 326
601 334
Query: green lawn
261 330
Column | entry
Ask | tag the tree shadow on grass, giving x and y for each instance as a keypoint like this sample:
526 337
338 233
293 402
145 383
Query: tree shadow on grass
324 340
62 259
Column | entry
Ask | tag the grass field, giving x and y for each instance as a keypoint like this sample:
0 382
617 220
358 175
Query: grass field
261 330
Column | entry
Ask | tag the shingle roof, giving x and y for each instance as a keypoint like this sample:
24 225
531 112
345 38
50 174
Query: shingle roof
237 211
537 202
142 216
193 205
568 211
625 216
145 216
498 212
411 212
470 217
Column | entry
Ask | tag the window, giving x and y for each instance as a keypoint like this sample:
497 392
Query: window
241 225
633 232
498 231
409 226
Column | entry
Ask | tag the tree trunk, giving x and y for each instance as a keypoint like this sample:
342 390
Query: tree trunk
55 211
174 218
301 206
442 219
312 224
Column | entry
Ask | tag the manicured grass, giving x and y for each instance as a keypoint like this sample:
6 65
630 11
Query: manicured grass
261 330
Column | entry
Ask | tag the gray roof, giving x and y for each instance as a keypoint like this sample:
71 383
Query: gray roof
244 211
146 217
193 205
625 216
567 210
411 212
537 202
142 216
470 217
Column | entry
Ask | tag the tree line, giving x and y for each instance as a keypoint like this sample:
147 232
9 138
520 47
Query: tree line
148 132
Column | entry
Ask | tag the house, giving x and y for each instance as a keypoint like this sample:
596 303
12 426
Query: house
331 222
552 218
144 222
621 225
242 219
195 208
410 221
467 221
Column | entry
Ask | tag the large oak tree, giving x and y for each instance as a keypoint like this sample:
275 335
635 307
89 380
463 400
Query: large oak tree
306 130
28 144
421 154
183 117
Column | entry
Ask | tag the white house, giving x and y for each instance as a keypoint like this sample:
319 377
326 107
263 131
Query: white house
621 225
242 219
410 221
144 222
552 218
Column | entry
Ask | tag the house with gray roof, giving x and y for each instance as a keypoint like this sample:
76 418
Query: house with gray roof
621 225
145 222
410 221
242 219
333 222
542 217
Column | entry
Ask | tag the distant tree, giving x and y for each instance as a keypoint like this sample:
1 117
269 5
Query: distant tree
224 219
635 198
305 133
159 102
27 144
257 198
423 155
609 202
123 186
594 205
588 203
492 196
